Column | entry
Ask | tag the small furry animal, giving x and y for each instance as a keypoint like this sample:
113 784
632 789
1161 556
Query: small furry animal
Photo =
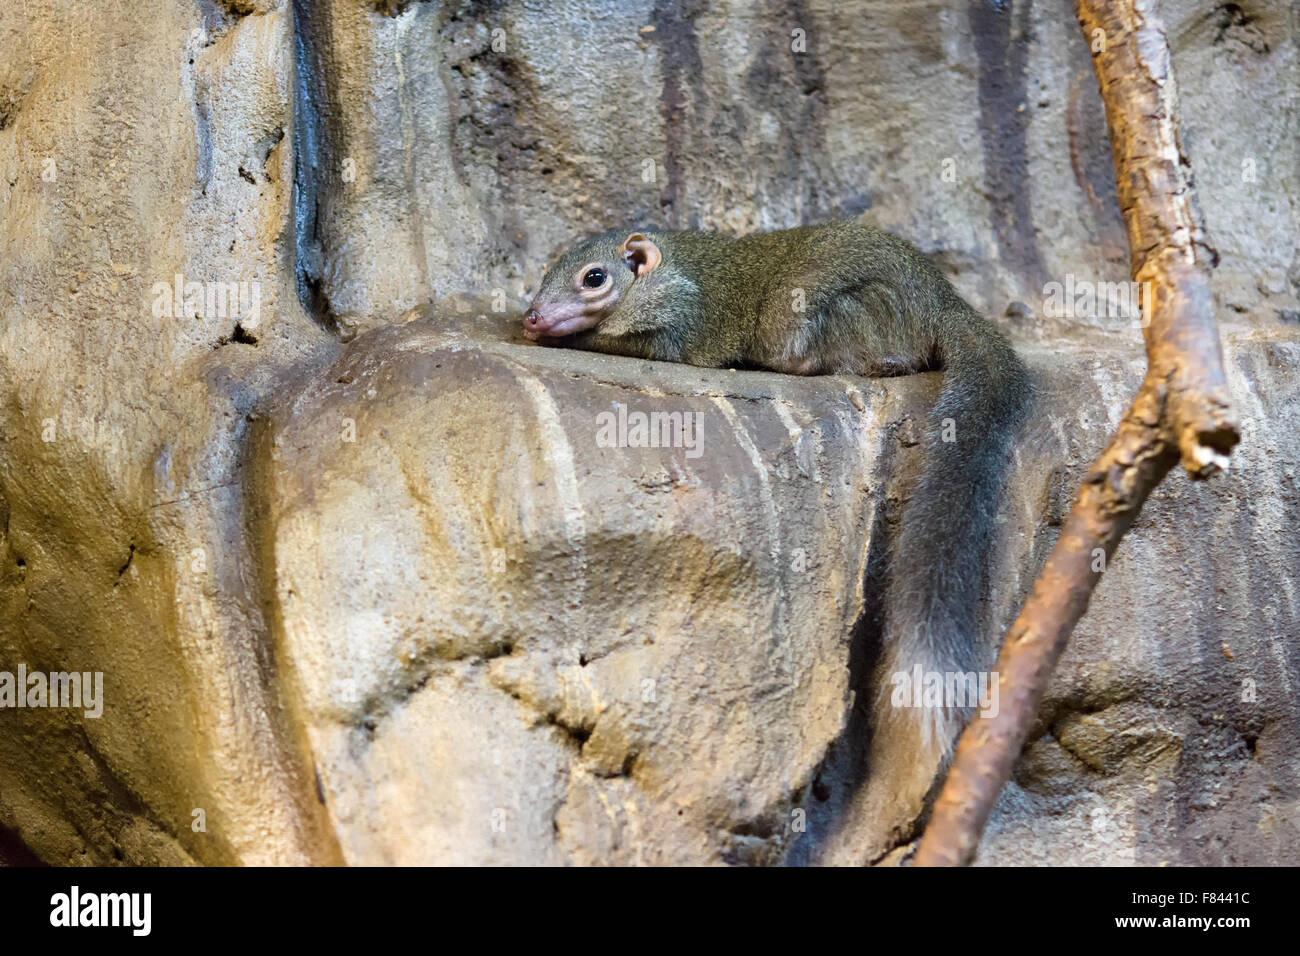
838 298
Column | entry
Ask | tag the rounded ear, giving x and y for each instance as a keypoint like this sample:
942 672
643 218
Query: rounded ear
640 254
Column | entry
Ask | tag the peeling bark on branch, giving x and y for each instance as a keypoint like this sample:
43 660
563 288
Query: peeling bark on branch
1181 412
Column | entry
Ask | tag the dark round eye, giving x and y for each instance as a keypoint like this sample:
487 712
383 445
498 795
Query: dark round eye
594 279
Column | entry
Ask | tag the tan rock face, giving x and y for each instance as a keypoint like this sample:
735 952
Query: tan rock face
141 146
426 595
502 602
582 650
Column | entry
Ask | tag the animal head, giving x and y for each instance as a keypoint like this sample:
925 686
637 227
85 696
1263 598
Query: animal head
586 286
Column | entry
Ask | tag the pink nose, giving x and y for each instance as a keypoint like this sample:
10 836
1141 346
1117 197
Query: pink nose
532 319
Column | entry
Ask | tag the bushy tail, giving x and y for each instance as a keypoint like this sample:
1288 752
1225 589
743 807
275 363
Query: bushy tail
941 554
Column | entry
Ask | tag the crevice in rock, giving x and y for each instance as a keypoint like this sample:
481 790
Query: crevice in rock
262 155
762 826
306 178
238 336
820 789
766 838
577 735
317 303
628 766
1235 26
130 557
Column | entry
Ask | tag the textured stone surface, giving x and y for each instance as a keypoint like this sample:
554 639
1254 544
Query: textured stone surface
124 548
1169 734
490 614
562 626
472 634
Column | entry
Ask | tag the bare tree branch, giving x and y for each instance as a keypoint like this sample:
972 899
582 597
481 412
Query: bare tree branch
1181 412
